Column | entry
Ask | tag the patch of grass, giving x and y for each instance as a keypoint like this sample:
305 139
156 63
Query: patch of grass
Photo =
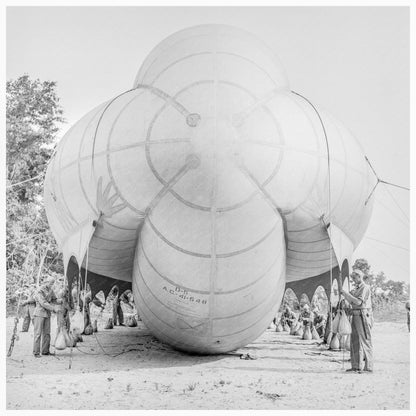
270 396
191 386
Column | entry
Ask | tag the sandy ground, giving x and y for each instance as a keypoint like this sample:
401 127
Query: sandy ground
138 372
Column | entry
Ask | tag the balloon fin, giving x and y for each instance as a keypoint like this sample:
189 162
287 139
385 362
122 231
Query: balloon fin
76 244
341 243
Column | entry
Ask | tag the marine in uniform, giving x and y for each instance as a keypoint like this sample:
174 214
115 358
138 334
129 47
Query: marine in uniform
44 297
361 324
30 305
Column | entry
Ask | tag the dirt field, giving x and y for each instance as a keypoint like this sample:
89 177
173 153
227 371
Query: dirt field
139 372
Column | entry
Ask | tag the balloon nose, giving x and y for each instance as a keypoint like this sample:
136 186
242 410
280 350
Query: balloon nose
207 301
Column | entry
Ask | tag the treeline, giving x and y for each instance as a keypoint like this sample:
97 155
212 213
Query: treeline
33 119
388 296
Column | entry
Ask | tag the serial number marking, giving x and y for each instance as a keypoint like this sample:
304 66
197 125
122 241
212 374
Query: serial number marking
184 294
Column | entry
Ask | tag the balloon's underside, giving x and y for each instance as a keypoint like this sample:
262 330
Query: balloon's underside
206 188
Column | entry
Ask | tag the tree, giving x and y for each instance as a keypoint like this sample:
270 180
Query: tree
380 279
33 116
387 295
362 264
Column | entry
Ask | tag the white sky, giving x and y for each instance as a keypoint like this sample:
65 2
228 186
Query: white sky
352 61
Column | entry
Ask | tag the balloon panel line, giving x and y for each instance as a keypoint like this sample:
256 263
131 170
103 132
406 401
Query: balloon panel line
395 262
395 202
386 243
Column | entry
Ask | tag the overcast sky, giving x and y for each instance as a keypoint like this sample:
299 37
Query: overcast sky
354 62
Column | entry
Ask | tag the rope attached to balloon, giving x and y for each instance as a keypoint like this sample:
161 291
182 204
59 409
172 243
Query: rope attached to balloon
85 282
329 197
380 181
192 119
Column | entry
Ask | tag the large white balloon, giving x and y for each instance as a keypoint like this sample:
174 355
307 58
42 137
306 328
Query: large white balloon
209 182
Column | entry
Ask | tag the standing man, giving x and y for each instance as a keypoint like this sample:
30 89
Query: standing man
30 305
319 322
114 297
44 296
361 324
88 300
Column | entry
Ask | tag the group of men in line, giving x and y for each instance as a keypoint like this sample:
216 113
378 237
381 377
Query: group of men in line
307 317
357 305
41 302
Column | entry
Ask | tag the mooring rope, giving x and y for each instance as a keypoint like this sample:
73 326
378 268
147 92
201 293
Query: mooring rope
85 282
327 225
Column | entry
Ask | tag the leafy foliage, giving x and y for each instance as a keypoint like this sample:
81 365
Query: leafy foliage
381 288
33 116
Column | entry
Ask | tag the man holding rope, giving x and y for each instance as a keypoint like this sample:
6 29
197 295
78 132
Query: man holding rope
319 322
361 324
44 297
87 296
114 298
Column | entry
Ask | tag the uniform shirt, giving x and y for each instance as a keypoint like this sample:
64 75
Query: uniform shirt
29 294
287 316
113 296
43 298
88 300
305 316
62 313
125 296
80 301
363 293
319 319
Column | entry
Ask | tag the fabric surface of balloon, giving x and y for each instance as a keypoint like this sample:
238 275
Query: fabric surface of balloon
206 186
